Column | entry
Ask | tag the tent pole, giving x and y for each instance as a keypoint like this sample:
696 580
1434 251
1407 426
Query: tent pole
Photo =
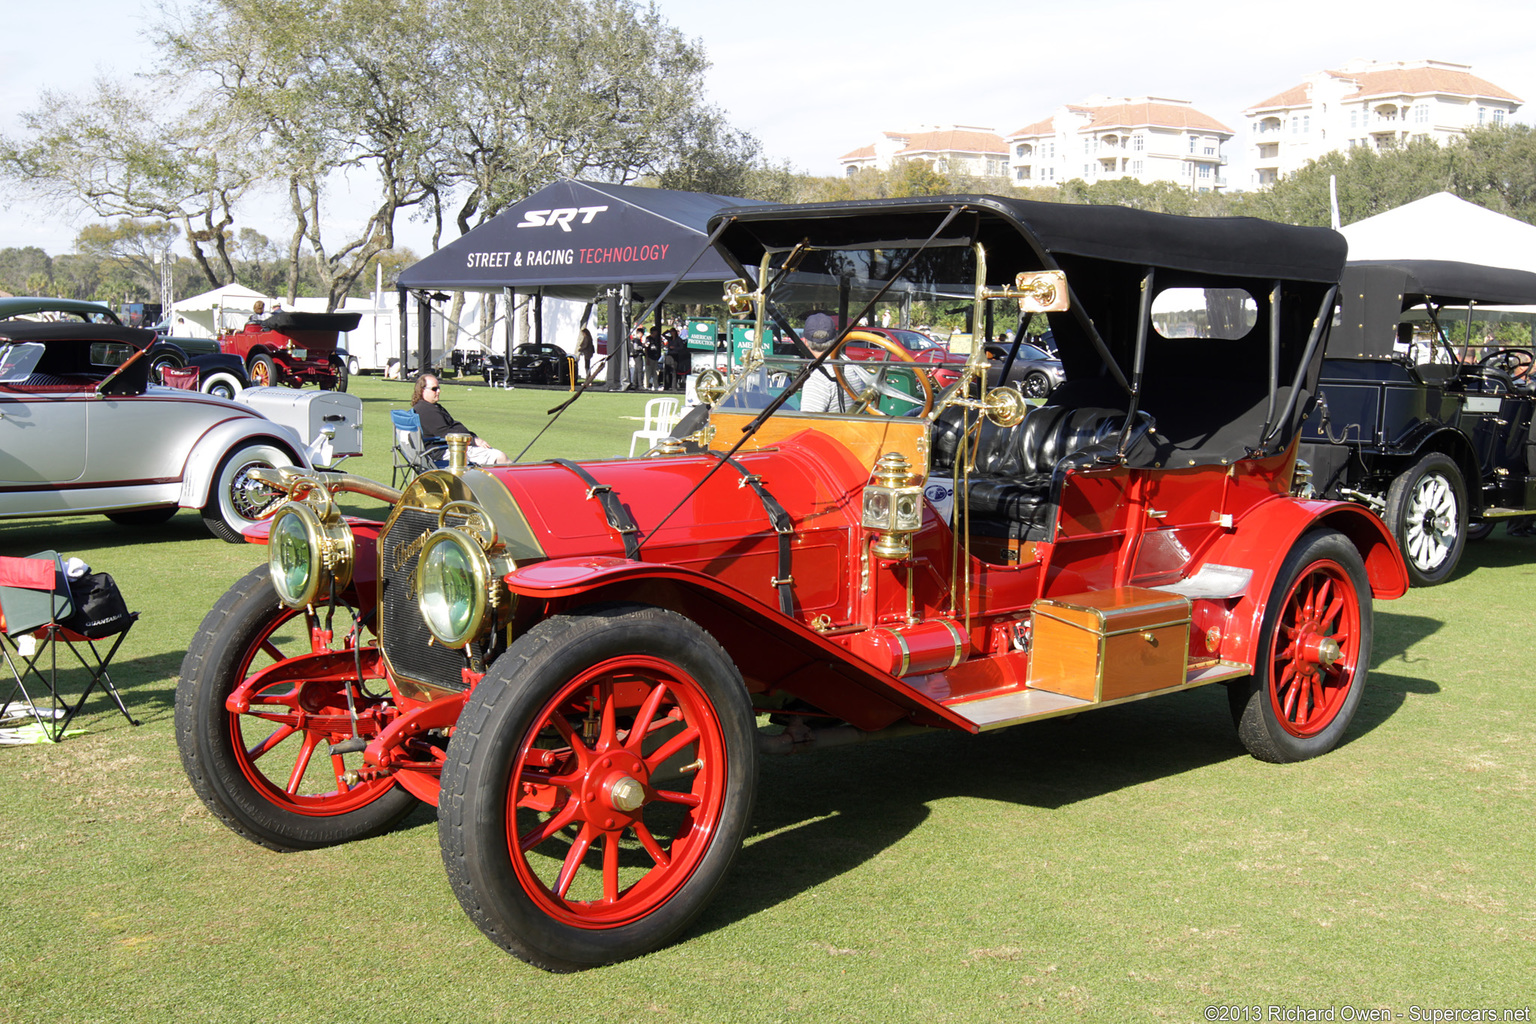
404 322
424 332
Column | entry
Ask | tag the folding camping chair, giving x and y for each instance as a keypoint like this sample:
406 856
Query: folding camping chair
38 613
412 453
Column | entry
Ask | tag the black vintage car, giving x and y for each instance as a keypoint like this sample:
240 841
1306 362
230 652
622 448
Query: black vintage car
1434 436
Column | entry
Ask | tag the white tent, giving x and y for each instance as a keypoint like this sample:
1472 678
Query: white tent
1443 227
213 311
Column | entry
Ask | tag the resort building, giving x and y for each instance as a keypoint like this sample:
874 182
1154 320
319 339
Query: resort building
1147 138
956 149
1380 104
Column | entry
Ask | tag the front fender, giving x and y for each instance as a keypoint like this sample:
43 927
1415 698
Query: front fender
1264 537
774 652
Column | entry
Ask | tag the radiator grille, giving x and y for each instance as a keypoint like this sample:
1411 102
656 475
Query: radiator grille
407 643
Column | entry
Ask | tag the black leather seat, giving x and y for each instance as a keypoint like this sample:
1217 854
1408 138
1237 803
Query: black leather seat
1010 487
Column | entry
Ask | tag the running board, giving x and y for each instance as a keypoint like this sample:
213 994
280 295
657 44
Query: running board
997 712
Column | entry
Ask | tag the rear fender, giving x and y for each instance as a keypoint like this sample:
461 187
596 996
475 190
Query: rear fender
774 652
206 455
1267 534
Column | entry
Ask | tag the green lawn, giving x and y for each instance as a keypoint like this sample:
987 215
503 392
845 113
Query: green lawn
1129 864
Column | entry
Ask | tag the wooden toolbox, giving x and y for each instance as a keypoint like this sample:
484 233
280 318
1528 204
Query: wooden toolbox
1108 644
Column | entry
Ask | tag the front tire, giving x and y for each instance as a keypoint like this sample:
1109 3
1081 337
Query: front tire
258 772
1035 385
599 784
262 370
235 500
1313 654
1427 513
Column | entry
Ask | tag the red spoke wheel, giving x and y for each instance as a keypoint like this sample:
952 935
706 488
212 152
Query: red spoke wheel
598 786
1313 653
270 773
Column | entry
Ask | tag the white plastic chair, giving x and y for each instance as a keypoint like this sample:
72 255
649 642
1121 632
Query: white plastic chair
661 415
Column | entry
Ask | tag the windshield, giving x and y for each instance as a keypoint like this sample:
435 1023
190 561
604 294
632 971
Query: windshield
846 305
18 361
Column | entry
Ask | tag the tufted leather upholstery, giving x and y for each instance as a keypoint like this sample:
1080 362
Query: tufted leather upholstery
1010 486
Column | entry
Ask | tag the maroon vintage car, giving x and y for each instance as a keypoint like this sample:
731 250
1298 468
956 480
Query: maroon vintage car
294 349
580 664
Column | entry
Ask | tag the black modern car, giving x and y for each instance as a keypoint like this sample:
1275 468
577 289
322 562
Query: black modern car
539 363
1434 435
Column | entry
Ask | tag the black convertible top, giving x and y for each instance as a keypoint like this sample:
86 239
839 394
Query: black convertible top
1375 293
1230 246
288 320
1445 282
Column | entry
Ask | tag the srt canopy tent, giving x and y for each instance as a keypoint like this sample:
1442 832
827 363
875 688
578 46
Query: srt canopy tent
585 240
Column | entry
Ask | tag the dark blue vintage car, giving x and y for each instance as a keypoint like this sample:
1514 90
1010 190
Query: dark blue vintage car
1435 436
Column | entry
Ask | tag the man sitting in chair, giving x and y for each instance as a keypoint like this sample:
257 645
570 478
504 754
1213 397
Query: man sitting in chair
438 422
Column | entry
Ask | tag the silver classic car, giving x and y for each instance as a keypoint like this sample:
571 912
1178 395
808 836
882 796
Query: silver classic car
83 431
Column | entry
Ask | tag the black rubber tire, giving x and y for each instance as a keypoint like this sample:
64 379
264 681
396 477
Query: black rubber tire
232 500
1250 700
338 382
1481 530
262 371
160 361
1035 385
1427 513
515 697
220 655
143 516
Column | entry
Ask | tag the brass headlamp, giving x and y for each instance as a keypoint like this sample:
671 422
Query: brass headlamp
893 506
310 549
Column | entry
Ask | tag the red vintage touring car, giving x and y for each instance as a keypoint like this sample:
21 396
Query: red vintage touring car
293 349
580 664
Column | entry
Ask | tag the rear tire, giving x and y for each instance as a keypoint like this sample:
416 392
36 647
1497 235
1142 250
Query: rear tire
1313 654
235 501
1035 385
338 382
1481 529
222 385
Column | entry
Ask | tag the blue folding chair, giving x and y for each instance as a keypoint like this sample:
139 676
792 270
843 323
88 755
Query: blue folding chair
412 453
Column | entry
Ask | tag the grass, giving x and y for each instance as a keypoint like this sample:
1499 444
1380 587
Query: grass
1129 864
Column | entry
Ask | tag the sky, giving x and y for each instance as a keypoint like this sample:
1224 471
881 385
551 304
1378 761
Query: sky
814 79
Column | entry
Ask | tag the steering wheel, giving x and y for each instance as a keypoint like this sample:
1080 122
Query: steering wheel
870 399
1514 361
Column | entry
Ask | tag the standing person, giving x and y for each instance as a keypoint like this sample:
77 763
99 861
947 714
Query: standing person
437 422
637 358
674 364
584 350
822 392
653 348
